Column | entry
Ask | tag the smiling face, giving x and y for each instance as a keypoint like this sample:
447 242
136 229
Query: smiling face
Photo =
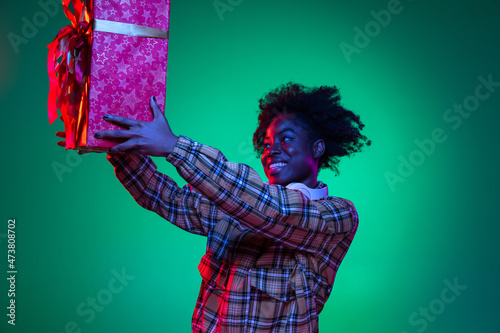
289 155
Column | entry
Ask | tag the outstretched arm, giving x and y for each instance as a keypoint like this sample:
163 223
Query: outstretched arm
159 193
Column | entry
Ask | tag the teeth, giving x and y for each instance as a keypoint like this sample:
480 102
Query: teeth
276 165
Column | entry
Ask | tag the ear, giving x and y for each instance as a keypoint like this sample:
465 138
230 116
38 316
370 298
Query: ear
319 148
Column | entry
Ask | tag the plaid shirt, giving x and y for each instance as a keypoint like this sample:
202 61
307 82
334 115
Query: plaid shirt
272 254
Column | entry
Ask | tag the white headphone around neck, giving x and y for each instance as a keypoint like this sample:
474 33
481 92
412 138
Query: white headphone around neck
311 193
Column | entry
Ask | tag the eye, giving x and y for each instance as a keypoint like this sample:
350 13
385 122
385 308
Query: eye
286 140
266 145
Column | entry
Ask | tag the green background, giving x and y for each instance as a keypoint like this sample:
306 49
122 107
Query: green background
440 225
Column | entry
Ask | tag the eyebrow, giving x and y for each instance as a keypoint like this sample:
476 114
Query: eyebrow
281 132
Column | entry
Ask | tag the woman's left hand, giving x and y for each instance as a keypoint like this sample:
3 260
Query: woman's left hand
154 138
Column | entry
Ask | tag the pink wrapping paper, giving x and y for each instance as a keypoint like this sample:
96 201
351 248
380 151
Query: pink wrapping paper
126 70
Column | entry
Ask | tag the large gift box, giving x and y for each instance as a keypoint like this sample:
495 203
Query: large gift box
111 59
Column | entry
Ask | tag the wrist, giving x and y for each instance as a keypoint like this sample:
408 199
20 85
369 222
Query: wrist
170 145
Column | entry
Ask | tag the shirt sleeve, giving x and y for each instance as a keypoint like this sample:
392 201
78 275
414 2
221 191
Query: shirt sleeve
159 193
276 212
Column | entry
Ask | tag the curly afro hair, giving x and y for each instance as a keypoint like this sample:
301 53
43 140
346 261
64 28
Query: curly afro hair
317 110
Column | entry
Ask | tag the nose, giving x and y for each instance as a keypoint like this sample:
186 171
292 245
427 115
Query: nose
275 148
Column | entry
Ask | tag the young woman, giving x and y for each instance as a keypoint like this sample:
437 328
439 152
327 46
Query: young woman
273 248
